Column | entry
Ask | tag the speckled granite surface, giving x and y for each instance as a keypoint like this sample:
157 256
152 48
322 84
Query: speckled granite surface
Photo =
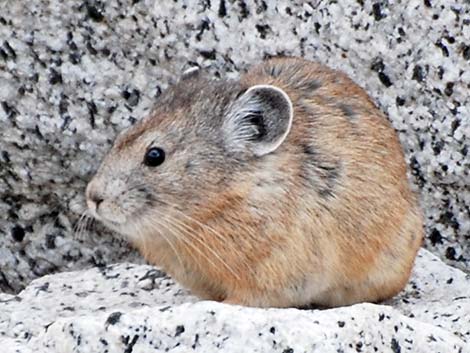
129 308
73 73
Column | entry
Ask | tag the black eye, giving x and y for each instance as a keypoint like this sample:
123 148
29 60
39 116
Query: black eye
154 157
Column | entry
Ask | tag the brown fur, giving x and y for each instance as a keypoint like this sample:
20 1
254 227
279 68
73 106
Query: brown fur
327 219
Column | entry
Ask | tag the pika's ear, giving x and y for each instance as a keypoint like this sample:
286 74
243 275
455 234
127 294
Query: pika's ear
259 120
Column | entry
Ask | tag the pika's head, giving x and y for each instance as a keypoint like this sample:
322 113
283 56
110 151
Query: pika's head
202 138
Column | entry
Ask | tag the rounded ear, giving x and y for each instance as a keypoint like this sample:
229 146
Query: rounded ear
259 120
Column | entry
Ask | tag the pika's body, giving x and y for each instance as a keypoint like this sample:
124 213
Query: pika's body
285 188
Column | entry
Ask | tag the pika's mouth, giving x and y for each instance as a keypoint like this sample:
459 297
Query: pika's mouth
110 219
114 223
120 221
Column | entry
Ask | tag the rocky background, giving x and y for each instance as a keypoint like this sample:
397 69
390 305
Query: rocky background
74 73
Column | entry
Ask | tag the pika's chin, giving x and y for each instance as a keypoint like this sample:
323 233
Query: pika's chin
129 226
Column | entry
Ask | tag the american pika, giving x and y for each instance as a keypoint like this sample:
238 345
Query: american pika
285 188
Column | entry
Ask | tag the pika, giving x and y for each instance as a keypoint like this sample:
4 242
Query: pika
285 188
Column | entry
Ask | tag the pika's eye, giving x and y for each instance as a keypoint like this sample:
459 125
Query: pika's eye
154 157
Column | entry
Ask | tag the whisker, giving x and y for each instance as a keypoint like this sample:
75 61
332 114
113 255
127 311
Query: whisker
177 229
199 251
220 238
88 227
78 223
81 226
185 229
170 243
202 225
81 234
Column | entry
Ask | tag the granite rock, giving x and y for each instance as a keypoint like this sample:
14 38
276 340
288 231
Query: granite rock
136 308
73 73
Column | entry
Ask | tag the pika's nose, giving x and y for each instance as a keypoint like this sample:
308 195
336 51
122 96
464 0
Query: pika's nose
96 199
93 199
